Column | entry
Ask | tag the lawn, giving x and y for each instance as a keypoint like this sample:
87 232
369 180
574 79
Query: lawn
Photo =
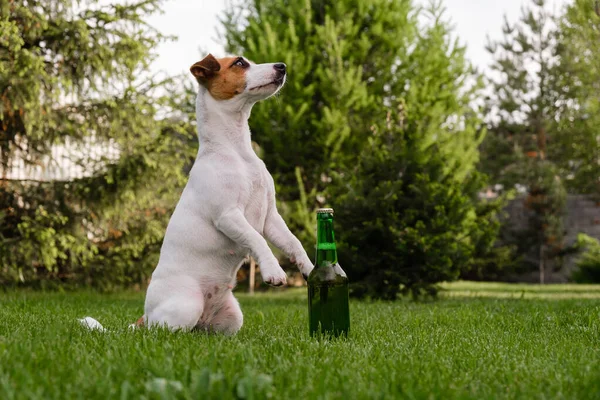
479 341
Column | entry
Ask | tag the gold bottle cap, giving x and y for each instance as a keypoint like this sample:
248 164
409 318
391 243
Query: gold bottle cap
325 211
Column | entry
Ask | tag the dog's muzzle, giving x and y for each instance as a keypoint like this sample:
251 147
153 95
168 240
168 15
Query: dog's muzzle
280 67
281 71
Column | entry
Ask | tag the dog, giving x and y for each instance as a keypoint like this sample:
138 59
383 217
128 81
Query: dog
226 210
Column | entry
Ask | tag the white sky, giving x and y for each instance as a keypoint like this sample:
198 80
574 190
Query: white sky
195 24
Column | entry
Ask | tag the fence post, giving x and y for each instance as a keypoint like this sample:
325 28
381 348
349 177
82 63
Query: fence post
542 264
252 273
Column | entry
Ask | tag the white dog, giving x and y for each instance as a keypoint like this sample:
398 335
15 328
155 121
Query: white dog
227 208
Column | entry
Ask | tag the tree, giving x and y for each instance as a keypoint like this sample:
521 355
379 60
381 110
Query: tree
409 210
407 220
523 114
577 141
401 180
75 74
341 57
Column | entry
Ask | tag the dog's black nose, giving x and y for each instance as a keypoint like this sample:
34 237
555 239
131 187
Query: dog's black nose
280 67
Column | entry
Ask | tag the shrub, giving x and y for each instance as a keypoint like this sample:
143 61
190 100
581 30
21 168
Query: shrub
588 264
405 220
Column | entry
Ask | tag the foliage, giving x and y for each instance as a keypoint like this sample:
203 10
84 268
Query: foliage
522 113
405 220
76 73
577 143
588 264
485 347
546 199
343 58
351 64
494 257
523 92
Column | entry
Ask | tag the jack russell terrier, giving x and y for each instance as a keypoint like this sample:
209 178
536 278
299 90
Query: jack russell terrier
226 211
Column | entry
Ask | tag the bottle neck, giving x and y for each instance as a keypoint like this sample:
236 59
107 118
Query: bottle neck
326 250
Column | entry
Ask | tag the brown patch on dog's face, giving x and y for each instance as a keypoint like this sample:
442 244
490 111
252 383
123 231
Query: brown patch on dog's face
224 78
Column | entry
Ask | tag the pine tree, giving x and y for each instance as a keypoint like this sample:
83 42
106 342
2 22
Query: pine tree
348 61
76 73
402 181
523 111
410 211
407 220
577 141
341 59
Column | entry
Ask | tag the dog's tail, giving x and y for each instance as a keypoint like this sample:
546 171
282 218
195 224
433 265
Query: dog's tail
92 324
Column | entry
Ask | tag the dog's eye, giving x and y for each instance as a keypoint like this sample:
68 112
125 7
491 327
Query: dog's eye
239 63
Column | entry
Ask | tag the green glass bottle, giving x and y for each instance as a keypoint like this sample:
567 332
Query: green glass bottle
328 309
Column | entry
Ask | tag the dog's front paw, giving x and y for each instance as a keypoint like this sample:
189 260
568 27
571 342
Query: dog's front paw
274 276
304 265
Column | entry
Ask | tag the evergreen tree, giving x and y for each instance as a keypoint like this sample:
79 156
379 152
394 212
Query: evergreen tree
401 180
77 72
577 138
407 220
522 123
342 59
409 209
348 62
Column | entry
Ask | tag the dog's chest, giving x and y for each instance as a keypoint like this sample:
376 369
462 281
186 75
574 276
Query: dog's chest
256 204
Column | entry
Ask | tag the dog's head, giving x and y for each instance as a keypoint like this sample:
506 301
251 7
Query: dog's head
233 78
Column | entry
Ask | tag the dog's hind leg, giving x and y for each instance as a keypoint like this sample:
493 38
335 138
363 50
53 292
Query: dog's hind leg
180 311
229 319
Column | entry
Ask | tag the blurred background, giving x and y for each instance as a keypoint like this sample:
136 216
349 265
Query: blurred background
454 139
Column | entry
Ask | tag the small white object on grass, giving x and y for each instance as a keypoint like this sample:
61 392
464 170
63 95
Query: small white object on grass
91 323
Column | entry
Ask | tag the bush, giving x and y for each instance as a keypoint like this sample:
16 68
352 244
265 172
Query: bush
404 220
103 227
588 264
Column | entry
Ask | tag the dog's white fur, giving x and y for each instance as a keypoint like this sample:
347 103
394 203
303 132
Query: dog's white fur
226 211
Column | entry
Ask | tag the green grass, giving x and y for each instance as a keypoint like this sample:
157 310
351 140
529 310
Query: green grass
476 342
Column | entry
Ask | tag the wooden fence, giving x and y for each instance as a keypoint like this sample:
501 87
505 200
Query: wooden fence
64 162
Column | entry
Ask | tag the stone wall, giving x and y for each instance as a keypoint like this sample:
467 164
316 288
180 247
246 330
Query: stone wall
582 215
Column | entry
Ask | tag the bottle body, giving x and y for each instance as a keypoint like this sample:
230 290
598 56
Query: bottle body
328 307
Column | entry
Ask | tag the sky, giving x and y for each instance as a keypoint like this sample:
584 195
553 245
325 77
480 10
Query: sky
195 23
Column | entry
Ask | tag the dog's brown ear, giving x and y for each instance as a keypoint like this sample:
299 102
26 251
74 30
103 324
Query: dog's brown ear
205 69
